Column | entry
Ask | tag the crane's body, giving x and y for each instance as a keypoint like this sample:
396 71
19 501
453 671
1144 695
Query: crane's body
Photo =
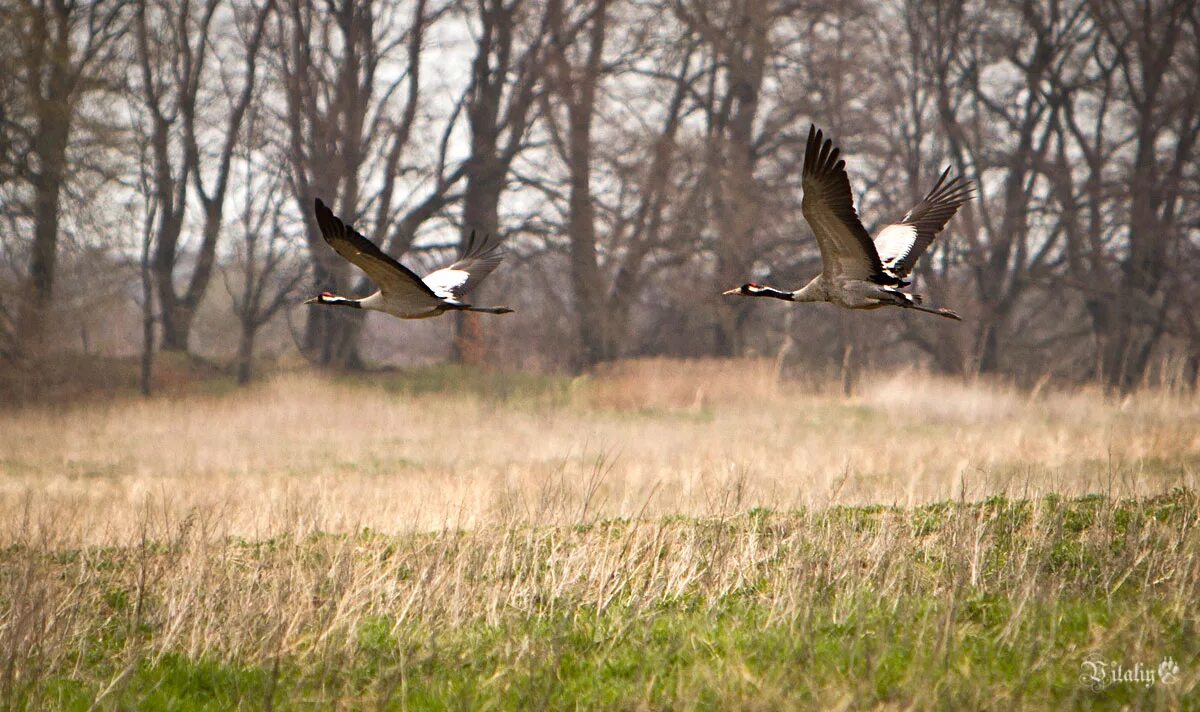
858 272
405 309
401 292
844 292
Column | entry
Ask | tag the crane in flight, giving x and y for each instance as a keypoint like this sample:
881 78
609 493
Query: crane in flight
858 272
401 292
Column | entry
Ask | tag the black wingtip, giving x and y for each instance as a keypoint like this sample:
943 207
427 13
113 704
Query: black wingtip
940 185
327 222
819 153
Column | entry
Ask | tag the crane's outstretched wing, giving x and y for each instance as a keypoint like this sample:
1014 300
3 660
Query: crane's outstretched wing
901 244
479 257
846 248
394 279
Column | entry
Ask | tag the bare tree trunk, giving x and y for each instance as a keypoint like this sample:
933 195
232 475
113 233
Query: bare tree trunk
270 268
1128 297
576 86
146 273
849 371
586 282
737 210
146 373
740 47
581 223
485 177
245 353
51 27
175 318
499 122
1139 314
650 221
176 327
52 146
54 55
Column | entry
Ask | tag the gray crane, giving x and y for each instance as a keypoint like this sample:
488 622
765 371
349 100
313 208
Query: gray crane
859 273
401 292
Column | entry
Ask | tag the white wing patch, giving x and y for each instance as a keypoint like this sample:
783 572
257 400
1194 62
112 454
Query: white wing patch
447 282
894 242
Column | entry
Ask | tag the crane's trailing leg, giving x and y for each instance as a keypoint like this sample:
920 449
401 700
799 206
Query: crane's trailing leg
485 310
913 301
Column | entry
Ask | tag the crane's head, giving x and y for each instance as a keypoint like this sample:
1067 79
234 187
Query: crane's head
333 299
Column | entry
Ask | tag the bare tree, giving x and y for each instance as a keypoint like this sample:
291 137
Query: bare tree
751 97
664 194
61 46
266 271
174 44
347 138
1153 44
499 101
614 226
575 84
738 37
1002 128
642 157
146 274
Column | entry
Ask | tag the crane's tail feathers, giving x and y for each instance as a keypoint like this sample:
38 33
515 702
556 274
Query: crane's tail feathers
490 310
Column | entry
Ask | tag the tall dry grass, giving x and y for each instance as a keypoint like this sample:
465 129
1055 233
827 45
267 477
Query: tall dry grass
301 453
997 605
293 523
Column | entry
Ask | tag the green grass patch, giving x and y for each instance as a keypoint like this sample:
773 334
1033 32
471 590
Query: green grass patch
957 605
733 654
455 379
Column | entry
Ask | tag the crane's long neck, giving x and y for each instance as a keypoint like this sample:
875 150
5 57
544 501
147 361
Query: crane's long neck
343 302
773 293
814 291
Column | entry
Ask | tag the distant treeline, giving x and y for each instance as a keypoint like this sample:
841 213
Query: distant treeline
640 156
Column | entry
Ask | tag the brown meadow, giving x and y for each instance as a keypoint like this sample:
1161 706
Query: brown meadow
300 453
660 534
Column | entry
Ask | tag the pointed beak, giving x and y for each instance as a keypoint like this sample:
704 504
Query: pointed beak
314 300
735 290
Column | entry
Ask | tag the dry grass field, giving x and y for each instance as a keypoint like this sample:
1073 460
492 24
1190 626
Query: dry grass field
660 535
